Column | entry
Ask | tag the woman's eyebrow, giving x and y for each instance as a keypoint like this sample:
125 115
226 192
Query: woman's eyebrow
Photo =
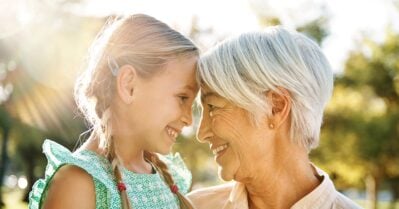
207 95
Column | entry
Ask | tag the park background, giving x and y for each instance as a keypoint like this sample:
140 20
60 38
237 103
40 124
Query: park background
44 43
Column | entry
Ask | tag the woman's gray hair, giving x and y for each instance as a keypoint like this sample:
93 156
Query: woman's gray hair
243 68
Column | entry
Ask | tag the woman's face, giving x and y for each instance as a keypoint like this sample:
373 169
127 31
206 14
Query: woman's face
238 144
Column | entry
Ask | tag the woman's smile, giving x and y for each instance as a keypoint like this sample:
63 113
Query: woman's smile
219 150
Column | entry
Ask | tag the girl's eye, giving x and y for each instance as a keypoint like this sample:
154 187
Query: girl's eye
183 98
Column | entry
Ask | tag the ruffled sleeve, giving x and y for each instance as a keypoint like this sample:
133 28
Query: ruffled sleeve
180 173
57 156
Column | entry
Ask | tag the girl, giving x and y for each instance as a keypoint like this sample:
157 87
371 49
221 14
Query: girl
136 94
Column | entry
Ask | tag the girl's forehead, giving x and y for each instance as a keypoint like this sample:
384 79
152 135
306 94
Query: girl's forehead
178 74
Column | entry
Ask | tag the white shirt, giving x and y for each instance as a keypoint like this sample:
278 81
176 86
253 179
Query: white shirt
234 196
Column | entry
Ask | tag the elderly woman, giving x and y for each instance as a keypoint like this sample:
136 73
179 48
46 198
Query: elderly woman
263 96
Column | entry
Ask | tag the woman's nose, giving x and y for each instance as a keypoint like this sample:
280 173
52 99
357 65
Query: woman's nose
204 132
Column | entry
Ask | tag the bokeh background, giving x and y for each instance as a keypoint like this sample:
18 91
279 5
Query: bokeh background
44 43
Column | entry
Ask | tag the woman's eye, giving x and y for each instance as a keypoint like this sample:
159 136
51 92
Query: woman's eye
211 107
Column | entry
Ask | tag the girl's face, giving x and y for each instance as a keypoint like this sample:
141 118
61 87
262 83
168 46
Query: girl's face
161 106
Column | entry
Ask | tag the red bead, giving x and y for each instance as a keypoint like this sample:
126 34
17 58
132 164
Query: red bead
174 188
121 186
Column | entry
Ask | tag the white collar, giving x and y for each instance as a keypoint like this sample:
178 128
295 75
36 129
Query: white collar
321 197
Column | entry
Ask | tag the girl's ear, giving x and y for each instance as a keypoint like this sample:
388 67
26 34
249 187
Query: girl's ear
125 83
281 106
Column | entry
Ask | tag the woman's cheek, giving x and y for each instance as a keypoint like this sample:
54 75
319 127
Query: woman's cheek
223 125
217 124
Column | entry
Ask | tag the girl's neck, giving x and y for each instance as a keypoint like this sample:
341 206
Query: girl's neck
130 156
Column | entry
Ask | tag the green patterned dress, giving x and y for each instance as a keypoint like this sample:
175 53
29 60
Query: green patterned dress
145 191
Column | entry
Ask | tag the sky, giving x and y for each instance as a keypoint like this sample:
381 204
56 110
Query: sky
350 20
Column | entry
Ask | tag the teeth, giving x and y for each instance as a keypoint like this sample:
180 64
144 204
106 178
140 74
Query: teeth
219 149
172 132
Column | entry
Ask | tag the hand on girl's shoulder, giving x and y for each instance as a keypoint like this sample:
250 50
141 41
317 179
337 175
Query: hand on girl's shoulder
71 187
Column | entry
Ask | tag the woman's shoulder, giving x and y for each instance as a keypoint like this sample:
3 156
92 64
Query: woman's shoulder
222 188
344 202
180 173
211 197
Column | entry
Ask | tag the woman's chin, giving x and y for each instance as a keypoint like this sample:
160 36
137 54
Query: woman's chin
225 175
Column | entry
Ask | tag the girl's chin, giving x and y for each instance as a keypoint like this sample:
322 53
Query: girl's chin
165 150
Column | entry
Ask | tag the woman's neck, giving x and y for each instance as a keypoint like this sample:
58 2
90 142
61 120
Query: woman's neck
282 184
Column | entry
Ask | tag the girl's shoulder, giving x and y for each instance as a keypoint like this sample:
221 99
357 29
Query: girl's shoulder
76 183
180 173
80 164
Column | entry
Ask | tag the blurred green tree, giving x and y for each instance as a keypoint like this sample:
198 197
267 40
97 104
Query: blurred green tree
41 103
5 124
316 29
361 126
6 120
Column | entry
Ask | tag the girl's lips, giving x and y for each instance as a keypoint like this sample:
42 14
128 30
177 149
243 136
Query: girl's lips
172 133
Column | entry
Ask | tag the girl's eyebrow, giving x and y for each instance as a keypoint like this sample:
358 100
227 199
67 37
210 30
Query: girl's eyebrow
189 87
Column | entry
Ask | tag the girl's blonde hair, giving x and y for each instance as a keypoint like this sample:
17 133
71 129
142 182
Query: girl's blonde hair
143 42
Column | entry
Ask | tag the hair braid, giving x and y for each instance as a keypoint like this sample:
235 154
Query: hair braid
107 140
164 171
124 198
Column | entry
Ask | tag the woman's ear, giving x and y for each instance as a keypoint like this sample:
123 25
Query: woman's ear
125 83
281 107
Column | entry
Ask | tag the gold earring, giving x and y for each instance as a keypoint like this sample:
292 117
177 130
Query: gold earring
271 125
211 113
